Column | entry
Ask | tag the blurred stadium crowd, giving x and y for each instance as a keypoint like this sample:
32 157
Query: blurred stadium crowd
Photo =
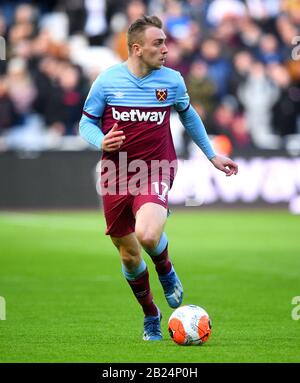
239 60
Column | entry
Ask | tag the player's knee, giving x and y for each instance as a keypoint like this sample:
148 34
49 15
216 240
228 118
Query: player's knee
147 239
130 261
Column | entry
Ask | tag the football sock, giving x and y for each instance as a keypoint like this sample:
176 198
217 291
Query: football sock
138 280
160 256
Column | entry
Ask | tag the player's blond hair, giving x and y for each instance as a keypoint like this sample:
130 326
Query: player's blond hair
138 27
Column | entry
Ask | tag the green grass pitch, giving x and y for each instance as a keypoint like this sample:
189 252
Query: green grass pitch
66 299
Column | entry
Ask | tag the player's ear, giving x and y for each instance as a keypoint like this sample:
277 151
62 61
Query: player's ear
137 49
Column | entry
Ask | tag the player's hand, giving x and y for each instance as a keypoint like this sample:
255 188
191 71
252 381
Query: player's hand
225 164
113 140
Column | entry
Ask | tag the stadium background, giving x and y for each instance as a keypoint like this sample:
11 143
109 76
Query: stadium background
241 66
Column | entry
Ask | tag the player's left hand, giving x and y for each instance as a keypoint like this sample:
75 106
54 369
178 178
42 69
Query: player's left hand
225 164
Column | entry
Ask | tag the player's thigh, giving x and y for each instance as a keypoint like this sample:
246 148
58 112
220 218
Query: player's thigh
150 221
120 220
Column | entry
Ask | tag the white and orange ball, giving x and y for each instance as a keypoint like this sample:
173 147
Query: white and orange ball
189 325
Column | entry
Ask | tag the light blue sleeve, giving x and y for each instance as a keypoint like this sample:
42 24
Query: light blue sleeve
93 109
95 102
89 130
182 100
194 126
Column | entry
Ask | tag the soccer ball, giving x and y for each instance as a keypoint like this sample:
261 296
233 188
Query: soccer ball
189 325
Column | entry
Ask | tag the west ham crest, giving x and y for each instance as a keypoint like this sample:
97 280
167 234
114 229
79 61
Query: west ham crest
161 94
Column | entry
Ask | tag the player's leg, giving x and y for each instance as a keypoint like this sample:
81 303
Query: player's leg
150 221
120 224
136 273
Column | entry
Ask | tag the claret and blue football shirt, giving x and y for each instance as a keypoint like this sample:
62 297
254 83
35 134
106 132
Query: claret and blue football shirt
141 106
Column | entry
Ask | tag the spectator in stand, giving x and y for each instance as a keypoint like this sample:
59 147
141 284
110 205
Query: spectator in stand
201 89
45 77
21 88
8 113
250 35
96 27
218 67
61 95
242 63
76 13
269 50
287 108
189 46
229 122
197 9
258 95
24 23
72 98
241 137
227 34
177 23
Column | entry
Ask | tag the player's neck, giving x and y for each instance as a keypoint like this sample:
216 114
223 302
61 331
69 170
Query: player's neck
137 69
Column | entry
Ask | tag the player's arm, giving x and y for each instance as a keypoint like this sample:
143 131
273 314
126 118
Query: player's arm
90 131
195 128
89 128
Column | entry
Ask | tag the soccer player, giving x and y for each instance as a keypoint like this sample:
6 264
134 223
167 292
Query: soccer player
133 101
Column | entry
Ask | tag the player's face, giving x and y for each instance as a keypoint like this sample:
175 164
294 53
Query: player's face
154 50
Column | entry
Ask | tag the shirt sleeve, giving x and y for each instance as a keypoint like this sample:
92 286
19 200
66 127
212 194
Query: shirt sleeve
194 126
92 112
95 102
182 100
90 131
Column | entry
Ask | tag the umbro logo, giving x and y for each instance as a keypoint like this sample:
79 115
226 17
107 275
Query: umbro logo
119 94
